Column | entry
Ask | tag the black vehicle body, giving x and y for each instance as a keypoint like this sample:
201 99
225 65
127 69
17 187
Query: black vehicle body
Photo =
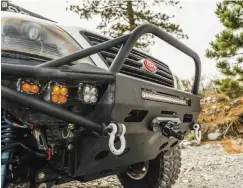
120 101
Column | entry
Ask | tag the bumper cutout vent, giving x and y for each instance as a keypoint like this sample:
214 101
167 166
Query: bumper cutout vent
136 116
168 113
187 118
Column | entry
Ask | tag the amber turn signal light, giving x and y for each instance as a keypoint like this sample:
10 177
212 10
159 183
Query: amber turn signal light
30 88
59 94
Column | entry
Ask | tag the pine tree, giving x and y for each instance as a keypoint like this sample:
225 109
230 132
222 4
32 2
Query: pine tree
121 16
227 48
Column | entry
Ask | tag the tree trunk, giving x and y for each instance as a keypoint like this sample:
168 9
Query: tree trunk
130 14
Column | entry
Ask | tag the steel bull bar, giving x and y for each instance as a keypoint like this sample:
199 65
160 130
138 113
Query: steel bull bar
49 70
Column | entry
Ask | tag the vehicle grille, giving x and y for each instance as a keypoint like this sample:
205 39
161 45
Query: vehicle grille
132 66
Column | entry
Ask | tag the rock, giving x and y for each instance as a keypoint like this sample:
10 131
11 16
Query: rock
104 185
185 181
111 179
195 143
184 144
195 168
206 177
214 136
209 99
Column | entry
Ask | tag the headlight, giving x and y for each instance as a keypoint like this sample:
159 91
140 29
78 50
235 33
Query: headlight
34 36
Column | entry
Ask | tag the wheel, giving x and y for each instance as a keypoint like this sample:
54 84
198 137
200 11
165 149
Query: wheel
161 172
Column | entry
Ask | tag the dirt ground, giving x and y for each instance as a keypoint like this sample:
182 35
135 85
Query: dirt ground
206 166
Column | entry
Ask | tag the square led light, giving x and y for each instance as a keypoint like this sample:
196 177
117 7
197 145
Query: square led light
88 93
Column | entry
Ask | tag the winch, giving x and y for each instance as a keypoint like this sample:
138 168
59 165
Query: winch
170 127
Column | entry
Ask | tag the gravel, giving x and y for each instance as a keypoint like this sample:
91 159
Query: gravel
209 167
107 182
202 167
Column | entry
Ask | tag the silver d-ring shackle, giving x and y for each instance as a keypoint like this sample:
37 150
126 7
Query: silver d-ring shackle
197 132
112 138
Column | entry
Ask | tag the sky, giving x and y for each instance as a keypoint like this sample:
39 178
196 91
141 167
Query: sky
196 18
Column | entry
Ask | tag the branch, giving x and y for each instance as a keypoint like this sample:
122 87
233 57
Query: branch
111 6
233 55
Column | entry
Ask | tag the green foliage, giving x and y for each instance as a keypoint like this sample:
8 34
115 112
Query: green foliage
118 17
230 87
190 136
227 48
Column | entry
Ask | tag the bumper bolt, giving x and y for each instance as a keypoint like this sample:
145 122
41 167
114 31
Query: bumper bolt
71 126
41 176
70 146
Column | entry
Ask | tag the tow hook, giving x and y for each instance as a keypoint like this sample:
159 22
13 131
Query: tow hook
170 127
116 130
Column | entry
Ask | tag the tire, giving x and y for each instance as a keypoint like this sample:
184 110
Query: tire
163 171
